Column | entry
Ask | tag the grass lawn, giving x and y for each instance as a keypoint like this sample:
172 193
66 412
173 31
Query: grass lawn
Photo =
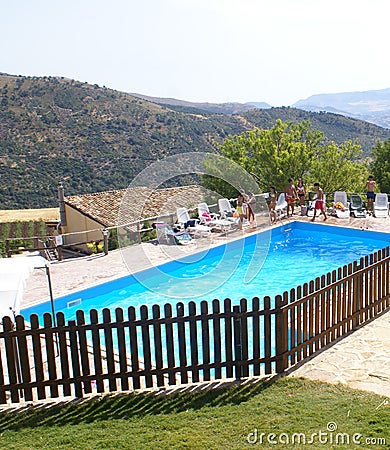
216 419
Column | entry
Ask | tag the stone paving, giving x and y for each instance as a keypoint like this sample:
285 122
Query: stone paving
360 360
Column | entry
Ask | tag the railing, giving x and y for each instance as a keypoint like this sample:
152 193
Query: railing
155 349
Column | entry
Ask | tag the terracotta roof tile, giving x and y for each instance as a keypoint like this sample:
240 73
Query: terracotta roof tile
123 206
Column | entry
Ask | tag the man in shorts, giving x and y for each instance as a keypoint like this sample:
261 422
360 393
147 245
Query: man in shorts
320 204
291 196
370 187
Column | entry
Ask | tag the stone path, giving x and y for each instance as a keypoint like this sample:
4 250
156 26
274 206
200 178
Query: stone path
360 360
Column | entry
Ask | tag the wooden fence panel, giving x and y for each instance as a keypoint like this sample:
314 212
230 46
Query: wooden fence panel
194 341
83 349
169 343
134 347
158 343
236 342
181 335
122 353
317 314
228 336
292 327
256 337
305 324
73 342
205 340
146 346
50 354
96 349
217 338
23 355
37 357
109 345
267 335
244 337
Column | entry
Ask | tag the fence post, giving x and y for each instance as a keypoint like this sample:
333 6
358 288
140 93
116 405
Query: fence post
7 248
357 299
281 335
105 241
237 341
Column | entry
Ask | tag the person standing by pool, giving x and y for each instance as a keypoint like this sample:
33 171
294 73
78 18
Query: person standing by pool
320 204
291 195
251 203
240 209
370 187
272 200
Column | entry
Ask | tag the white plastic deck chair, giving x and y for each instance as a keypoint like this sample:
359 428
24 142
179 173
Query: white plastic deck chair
281 206
212 219
381 205
340 198
225 209
191 225
205 215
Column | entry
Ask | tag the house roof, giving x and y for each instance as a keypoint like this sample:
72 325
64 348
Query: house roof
122 206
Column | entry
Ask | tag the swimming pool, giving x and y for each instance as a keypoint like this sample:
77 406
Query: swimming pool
296 253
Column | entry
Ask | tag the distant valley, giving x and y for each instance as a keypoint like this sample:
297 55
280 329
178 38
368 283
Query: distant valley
94 138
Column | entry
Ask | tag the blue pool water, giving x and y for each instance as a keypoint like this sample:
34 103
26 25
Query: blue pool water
294 254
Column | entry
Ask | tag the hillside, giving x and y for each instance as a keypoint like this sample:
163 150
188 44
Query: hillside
335 127
213 108
97 139
371 106
94 138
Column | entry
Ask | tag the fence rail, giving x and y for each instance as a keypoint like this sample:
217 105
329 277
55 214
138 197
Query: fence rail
158 346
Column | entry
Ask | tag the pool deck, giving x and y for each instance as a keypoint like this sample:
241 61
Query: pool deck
361 360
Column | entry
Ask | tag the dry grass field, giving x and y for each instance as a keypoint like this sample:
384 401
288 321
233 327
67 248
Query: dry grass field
25 215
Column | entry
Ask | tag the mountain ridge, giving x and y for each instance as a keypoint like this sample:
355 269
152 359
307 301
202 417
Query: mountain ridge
96 138
372 106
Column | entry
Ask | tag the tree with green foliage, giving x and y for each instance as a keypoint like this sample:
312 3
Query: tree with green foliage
295 150
337 167
380 165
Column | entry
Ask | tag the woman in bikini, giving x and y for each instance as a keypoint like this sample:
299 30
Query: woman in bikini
240 209
272 199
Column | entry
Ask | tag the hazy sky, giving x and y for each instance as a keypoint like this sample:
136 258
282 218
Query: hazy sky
202 50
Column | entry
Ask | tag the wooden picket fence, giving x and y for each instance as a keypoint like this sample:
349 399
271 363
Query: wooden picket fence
212 342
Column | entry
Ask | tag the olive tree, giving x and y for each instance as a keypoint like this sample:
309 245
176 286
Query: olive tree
380 165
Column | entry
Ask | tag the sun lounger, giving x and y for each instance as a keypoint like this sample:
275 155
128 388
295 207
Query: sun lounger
191 225
357 207
212 219
281 206
381 205
167 235
341 205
